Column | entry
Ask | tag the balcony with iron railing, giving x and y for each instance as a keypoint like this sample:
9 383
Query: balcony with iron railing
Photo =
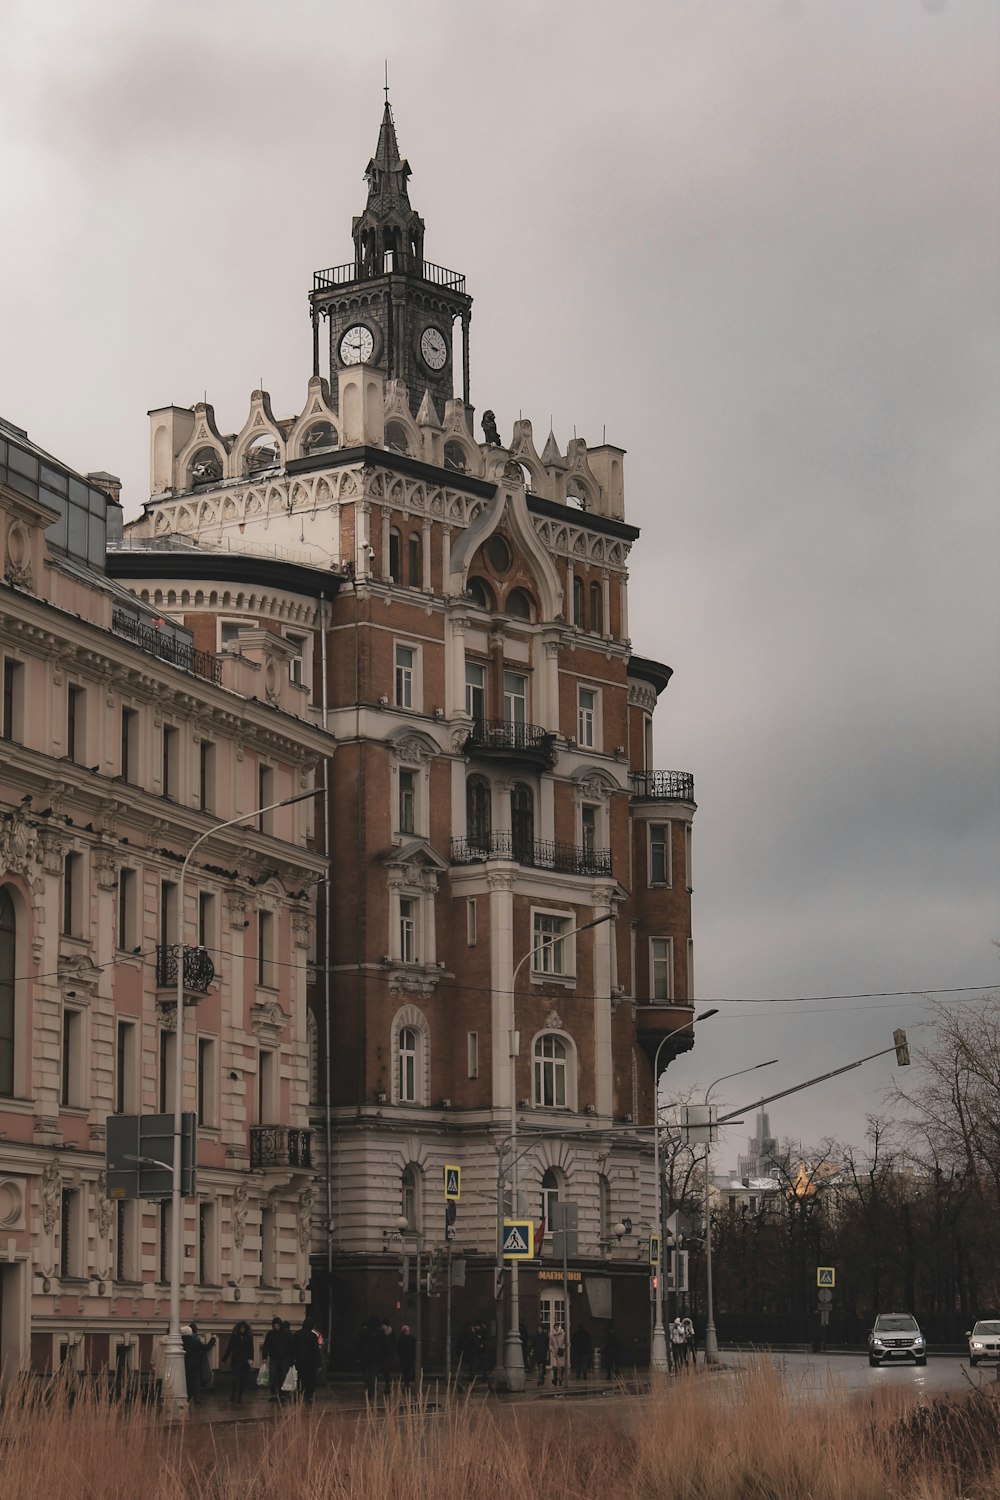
536 854
199 970
165 645
343 275
511 740
662 786
279 1146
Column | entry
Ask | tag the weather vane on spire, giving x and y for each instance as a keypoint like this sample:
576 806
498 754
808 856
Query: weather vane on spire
386 87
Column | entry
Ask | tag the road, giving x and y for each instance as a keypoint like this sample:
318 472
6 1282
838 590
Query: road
812 1375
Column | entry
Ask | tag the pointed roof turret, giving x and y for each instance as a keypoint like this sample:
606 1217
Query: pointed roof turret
389 235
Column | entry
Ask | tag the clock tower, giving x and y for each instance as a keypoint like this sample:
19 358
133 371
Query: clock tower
389 306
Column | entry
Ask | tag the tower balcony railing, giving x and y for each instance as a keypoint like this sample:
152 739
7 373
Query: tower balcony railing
279 1146
509 738
352 271
536 854
662 786
199 970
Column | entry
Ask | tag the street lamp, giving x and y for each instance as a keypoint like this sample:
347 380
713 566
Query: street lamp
658 1357
711 1342
514 1353
174 1381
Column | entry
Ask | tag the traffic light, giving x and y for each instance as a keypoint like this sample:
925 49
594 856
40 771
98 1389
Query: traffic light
902 1048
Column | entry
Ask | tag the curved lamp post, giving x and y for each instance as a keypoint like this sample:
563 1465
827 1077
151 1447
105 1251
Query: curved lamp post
514 1353
174 1381
711 1342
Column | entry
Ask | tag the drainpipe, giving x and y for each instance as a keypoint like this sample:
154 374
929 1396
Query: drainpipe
327 997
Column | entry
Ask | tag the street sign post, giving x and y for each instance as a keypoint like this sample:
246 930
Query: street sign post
139 1153
452 1184
654 1249
826 1276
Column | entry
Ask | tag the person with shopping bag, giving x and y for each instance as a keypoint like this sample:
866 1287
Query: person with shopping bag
277 1350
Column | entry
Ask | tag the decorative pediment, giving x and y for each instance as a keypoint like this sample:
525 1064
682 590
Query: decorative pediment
268 1021
77 972
417 855
414 748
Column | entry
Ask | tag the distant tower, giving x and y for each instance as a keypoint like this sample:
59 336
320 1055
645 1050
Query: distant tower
389 307
761 1150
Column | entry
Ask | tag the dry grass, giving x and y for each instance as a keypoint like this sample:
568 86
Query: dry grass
740 1437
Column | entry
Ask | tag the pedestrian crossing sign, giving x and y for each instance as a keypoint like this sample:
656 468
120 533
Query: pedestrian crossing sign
654 1249
518 1239
452 1184
826 1276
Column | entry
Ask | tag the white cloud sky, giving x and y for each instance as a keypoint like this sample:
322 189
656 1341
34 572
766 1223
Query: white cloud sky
755 239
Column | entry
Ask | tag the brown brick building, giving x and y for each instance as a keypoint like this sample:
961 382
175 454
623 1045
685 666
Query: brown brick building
460 609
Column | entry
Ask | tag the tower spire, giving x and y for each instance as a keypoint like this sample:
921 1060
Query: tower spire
389 235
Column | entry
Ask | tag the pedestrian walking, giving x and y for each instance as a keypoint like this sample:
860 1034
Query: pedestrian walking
557 1354
691 1340
581 1348
406 1350
612 1355
678 1343
306 1359
540 1351
370 1355
197 1371
277 1350
388 1352
239 1358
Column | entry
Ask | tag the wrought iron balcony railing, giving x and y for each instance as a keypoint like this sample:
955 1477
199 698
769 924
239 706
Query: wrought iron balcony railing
199 970
351 271
508 737
280 1146
537 854
166 646
662 786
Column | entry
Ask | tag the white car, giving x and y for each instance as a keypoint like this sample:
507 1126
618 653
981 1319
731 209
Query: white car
896 1336
984 1341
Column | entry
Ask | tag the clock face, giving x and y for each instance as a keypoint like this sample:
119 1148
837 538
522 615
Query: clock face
357 345
434 348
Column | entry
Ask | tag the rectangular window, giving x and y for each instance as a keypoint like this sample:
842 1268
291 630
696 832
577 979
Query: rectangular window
267 1076
515 697
394 572
163 1246
661 976
128 910
471 921
126 1266
69 1233
129 751
475 690
297 665
659 853
265 949
406 661
168 913
71 1094
407 930
76 725
13 700
549 956
229 634
265 798
690 970
589 815
206 776
206 1081
407 801
269 1247
125 1068
207 1258
168 762
586 718
473 1054
206 920
72 924
688 870
413 560
168 1052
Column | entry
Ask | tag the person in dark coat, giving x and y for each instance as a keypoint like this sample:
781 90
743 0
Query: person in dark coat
306 1357
581 1348
277 1350
612 1354
239 1358
406 1349
195 1358
370 1342
540 1349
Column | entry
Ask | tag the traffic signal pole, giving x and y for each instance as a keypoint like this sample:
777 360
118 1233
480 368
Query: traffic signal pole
899 1046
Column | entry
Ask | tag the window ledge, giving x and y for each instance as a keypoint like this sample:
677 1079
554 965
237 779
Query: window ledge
565 981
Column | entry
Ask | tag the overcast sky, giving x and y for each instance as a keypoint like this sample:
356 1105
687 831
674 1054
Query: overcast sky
755 240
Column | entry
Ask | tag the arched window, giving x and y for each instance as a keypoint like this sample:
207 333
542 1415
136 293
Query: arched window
550 1072
478 813
480 593
550 1195
596 609
408 1056
578 602
415 576
454 457
522 823
518 604
409 1197
395 438
8 946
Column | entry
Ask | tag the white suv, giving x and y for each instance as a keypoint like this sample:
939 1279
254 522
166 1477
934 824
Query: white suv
896 1336
984 1341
